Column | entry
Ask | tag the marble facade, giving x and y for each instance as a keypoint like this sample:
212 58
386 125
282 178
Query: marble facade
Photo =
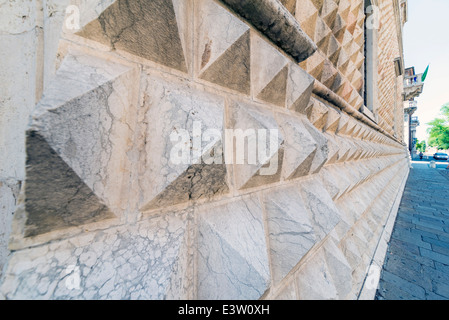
103 211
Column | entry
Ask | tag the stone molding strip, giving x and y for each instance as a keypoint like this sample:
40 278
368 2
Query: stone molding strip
273 20
325 93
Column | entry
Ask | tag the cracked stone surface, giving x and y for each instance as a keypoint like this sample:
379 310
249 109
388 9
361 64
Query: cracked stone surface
67 201
79 135
148 260
300 147
232 251
126 193
266 168
290 229
125 25
171 175
325 215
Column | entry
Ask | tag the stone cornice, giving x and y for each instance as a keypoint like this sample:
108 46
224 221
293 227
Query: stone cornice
273 20
325 93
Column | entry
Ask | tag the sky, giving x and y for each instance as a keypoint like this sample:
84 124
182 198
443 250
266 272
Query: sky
426 41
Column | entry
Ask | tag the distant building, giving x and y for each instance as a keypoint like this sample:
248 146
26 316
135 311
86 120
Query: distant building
413 87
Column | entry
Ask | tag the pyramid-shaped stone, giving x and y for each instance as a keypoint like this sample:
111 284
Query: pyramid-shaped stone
322 152
55 197
217 30
324 213
232 69
275 91
232 251
290 229
300 147
147 29
82 115
253 166
269 80
290 5
318 114
184 151
299 89
329 12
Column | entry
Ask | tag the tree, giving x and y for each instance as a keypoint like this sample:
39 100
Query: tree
421 146
439 130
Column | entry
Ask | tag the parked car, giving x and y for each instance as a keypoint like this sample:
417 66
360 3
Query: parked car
441 156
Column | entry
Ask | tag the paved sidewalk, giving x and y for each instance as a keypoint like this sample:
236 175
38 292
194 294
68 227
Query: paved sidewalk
416 265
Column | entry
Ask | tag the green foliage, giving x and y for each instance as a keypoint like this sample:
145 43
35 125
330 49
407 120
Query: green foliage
421 146
439 130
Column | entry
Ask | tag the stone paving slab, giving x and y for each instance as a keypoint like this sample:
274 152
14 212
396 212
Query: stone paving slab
416 266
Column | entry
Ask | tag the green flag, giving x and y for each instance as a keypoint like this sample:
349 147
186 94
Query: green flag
424 76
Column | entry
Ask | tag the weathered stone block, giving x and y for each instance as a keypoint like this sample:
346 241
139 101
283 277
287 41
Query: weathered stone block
325 214
269 80
149 260
182 159
254 128
232 251
299 89
76 145
148 29
300 147
223 48
290 229
61 199
315 281
322 152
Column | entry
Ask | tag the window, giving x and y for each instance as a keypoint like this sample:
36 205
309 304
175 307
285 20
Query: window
370 66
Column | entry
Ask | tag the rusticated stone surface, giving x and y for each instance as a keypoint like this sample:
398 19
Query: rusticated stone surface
299 89
69 143
232 251
149 260
290 229
129 193
64 202
337 29
232 69
300 147
125 25
274 21
269 80
171 175
223 52
263 167
325 215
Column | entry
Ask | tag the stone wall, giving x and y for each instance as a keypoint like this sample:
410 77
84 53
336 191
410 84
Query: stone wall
337 27
390 85
29 36
19 36
113 207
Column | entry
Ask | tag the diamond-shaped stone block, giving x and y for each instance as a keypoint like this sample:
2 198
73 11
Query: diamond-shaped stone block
300 147
232 251
183 157
76 145
148 29
223 47
255 145
290 229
